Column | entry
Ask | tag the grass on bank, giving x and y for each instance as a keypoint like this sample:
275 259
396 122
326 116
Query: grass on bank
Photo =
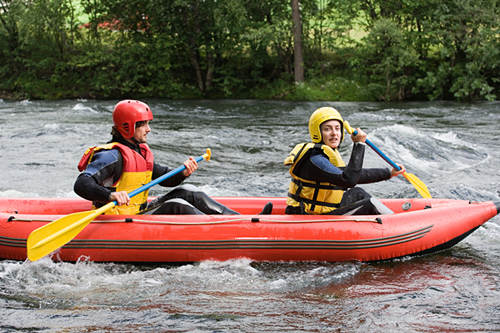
331 88
321 88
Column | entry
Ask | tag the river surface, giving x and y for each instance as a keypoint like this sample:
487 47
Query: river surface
453 148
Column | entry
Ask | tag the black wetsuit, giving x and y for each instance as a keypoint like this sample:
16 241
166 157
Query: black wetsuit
95 184
316 166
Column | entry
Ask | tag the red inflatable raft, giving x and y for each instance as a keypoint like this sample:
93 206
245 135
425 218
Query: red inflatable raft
418 226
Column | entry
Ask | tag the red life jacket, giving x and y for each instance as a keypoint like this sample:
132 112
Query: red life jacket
137 171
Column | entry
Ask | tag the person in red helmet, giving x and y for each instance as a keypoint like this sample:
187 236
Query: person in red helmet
110 171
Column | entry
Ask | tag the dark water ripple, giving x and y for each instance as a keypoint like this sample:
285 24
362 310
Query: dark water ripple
451 147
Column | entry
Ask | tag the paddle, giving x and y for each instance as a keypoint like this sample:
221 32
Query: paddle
55 234
414 180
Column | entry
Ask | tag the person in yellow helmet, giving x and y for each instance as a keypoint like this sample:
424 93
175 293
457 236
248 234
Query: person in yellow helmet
321 181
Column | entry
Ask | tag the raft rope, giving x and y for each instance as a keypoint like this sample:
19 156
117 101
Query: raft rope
242 219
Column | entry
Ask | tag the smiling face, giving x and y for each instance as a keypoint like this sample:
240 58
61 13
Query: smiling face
141 131
331 133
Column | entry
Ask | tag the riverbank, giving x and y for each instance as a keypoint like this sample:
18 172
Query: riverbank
341 87
11 96
335 88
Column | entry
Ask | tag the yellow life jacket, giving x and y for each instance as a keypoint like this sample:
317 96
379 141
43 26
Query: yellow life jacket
137 171
313 197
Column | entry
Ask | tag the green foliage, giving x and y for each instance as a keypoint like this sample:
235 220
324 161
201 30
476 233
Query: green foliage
467 33
323 88
435 49
331 89
389 60
354 50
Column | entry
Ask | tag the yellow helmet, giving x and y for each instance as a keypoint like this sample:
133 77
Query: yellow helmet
318 117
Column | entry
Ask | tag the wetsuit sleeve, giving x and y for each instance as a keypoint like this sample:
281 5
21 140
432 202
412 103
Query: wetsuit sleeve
102 172
373 175
86 187
324 171
160 170
318 168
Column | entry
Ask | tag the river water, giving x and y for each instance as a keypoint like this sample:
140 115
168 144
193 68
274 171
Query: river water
453 148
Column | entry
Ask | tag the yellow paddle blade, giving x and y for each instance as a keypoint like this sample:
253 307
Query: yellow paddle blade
418 184
55 234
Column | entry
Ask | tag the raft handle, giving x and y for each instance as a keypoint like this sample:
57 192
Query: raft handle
406 206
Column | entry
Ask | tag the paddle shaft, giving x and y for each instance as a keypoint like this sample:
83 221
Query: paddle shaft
379 152
162 178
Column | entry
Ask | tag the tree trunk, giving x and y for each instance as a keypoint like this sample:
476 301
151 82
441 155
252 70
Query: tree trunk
298 61
210 71
10 26
196 65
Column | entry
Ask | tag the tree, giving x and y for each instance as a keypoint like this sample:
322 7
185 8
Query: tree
298 60
466 49
389 60
204 32
10 11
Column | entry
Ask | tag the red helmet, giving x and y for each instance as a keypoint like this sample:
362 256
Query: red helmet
129 112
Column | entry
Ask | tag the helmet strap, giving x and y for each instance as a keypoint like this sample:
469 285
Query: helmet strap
134 140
